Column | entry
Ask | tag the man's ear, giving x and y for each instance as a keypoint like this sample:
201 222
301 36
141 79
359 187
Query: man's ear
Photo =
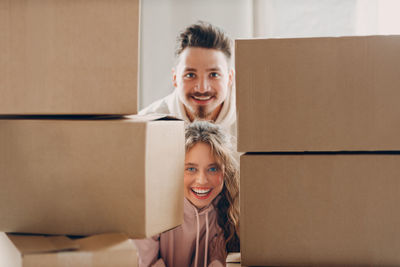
174 78
231 76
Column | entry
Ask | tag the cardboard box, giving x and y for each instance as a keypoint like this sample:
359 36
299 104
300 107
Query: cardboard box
233 260
85 177
318 94
56 251
68 57
320 210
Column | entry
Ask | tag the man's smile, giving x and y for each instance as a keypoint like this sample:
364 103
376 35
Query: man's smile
202 99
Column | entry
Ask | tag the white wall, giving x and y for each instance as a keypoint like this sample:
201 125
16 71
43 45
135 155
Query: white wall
304 18
378 17
162 20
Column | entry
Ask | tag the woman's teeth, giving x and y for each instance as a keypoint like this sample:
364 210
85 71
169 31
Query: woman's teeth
201 192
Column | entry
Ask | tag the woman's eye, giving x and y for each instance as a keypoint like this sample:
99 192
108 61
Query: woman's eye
213 169
191 169
214 74
189 75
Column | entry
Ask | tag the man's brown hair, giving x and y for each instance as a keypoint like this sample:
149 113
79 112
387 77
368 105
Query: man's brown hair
205 35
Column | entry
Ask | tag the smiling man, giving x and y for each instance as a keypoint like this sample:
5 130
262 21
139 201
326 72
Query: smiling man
202 77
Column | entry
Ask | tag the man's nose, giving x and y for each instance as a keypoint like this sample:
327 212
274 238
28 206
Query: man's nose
201 178
203 85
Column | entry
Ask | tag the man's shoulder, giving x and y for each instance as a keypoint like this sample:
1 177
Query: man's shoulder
159 106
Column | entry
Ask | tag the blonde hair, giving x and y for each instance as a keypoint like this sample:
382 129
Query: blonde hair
228 205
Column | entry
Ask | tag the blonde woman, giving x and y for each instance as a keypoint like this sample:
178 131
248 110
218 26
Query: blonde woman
211 206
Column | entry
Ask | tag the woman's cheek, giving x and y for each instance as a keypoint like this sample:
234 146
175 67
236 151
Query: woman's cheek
220 182
186 182
221 179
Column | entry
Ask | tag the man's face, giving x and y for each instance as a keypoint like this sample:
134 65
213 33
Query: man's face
202 78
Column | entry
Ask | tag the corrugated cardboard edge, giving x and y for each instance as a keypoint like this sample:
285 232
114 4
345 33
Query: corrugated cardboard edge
112 241
9 253
315 37
233 258
152 117
32 244
149 117
176 137
93 250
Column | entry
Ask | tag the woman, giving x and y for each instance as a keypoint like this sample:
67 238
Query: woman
211 206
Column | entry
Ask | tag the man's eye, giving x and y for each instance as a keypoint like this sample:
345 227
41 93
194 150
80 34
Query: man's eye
214 74
189 75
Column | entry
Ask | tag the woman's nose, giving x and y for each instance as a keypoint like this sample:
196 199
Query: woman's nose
201 178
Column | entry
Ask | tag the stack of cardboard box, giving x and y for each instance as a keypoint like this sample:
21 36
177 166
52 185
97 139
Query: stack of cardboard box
48 251
319 119
64 170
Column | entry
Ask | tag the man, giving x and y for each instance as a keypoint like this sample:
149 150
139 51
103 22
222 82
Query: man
203 78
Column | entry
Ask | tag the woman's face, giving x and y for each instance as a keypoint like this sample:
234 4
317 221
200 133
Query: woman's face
203 176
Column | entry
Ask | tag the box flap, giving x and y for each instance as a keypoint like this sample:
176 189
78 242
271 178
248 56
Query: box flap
233 257
30 244
105 241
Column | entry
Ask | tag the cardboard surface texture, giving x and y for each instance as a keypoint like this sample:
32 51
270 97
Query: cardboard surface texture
84 177
59 251
320 210
69 57
318 94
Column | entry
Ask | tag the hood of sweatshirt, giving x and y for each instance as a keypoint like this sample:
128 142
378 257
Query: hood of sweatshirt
188 244
193 212
172 105
226 118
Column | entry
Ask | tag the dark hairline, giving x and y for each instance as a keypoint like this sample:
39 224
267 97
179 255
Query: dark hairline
204 35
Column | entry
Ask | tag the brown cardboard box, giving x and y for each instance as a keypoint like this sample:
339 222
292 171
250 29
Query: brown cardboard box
318 94
56 251
68 57
320 210
84 177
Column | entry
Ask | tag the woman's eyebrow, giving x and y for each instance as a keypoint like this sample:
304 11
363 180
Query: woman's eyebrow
213 164
190 164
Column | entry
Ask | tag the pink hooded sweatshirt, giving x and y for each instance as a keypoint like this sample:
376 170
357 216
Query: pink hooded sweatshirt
198 242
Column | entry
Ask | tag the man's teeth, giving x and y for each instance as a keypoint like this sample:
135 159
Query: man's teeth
202 98
201 191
